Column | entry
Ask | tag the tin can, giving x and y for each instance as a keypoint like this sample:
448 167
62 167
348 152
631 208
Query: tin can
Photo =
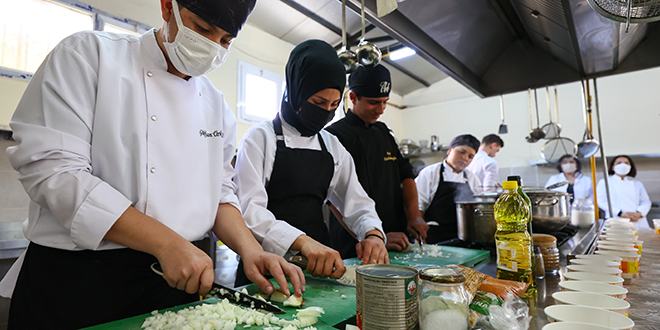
387 297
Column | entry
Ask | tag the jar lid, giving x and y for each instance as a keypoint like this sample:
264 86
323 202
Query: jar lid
442 275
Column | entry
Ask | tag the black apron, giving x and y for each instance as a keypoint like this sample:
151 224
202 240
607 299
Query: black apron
297 188
443 208
62 289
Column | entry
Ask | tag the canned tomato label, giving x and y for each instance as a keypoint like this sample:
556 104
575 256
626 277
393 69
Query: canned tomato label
386 297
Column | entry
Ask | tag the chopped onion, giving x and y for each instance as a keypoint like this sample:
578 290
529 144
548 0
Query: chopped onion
294 301
278 296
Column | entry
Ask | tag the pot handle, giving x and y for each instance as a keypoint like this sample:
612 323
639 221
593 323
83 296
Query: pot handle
543 202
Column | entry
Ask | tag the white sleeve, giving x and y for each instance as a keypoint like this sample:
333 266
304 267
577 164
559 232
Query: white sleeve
491 178
228 195
644 200
601 198
588 187
475 183
275 236
348 196
53 125
424 183
551 180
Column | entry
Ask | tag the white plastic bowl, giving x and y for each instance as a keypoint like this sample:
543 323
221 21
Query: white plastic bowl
591 315
592 300
620 248
574 326
598 256
595 269
594 277
595 287
596 262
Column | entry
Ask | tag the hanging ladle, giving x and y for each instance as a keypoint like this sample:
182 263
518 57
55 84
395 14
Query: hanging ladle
346 56
588 146
503 129
368 54
551 129
536 133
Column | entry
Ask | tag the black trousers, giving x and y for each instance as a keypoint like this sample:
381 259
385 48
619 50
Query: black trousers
61 289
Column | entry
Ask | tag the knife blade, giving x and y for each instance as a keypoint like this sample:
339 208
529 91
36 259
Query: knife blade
239 298
347 279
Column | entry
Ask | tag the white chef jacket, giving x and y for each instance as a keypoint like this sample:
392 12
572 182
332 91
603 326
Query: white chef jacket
428 179
628 195
486 169
103 126
254 165
582 187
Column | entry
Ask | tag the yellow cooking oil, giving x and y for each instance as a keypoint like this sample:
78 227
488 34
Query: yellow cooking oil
512 239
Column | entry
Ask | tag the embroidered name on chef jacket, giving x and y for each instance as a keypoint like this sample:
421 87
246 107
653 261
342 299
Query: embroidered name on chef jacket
389 156
216 133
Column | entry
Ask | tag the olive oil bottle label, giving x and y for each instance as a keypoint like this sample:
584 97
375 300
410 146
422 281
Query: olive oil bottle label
506 256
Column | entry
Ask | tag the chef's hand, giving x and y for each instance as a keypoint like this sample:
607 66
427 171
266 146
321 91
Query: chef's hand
397 241
417 227
256 263
371 250
186 267
322 260
633 216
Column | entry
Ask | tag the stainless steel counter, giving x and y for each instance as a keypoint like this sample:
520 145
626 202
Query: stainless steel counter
12 240
581 243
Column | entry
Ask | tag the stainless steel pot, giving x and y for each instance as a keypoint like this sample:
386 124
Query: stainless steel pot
551 210
476 221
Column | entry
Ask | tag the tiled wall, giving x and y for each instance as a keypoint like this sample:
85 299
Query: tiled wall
13 199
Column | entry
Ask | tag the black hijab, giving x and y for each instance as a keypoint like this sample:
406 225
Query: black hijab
312 67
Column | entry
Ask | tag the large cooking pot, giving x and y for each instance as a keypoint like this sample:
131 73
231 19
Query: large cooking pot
476 221
551 210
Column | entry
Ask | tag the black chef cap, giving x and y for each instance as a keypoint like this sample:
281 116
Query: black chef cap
229 15
370 81
312 67
465 140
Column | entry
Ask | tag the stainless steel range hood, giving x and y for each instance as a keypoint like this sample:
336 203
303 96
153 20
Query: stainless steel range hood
503 46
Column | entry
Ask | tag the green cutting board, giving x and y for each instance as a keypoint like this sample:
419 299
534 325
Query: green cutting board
327 293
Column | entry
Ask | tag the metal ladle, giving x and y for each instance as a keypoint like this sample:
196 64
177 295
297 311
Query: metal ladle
536 133
368 54
588 146
503 129
346 56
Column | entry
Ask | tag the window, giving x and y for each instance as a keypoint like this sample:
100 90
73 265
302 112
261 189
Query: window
29 29
259 93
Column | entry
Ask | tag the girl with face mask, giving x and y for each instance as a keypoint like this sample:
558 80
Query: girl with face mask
579 185
287 168
628 196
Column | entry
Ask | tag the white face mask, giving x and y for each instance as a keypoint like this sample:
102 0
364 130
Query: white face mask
568 168
191 53
622 169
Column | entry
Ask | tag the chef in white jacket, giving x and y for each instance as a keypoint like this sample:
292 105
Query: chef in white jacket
629 198
484 165
287 168
579 185
124 147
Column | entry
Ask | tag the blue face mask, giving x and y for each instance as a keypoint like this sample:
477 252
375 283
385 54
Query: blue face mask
311 118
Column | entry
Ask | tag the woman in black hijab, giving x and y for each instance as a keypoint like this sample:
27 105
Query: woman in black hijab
288 168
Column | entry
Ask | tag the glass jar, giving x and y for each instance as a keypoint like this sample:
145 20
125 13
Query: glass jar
444 301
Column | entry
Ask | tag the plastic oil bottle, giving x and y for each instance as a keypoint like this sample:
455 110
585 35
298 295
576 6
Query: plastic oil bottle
522 193
512 239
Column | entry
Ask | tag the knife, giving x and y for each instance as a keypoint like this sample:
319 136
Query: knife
347 279
239 298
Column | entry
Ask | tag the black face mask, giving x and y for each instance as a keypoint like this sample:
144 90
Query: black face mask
312 118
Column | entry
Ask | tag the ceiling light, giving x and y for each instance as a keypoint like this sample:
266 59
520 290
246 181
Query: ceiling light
401 53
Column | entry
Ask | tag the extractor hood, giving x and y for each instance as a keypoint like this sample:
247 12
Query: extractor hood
497 47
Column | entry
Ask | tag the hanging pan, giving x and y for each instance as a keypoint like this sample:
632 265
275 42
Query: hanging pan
588 146
551 130
555 148
503 129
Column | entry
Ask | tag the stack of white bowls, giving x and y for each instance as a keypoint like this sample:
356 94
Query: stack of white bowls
619 238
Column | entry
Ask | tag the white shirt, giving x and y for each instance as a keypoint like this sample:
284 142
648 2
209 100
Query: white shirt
628 195
428 179
103 126
486 169
254 165
582 187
